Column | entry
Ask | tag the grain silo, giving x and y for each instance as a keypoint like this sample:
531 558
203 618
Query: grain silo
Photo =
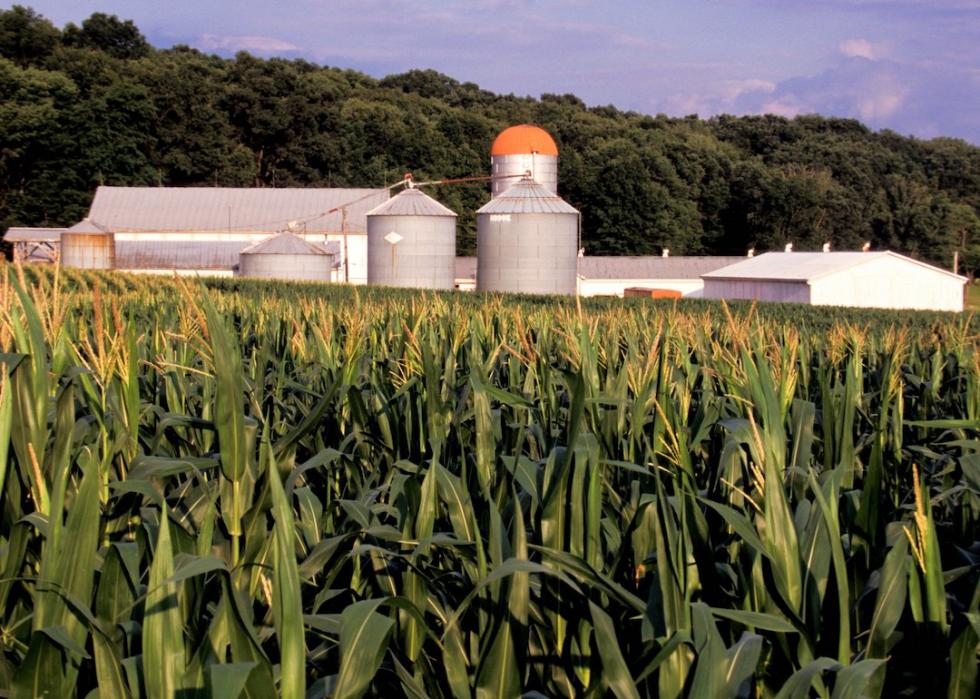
412 242
527 241
523 149
87 245
286 256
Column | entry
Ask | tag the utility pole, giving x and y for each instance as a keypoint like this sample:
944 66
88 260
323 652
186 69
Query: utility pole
956 253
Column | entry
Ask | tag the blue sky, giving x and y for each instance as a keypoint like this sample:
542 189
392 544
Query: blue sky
909 65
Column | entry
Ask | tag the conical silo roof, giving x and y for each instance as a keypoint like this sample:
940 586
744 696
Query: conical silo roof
411 202
527 197
285 244
89 227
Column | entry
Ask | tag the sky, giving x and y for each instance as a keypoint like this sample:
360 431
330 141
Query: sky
912 66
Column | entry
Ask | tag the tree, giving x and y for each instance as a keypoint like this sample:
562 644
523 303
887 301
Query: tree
33 107
108 33
76 109
26 38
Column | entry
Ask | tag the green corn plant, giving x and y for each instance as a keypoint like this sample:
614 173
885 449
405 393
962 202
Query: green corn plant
473 495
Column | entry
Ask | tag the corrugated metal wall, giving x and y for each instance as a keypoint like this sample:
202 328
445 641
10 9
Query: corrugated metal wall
890 282
425 257
543 169
527 253
757 290
317 268
88 250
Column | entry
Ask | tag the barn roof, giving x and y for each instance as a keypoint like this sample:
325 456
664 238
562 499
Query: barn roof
632 267
226 209
23 234
807 266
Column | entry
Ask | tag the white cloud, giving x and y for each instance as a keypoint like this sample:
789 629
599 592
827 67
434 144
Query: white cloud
925 100
736 88
723 99
883 101
860 48
256 44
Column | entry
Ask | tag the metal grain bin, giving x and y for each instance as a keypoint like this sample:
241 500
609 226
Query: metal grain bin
521 149
87 245
412 242
527 241
286 256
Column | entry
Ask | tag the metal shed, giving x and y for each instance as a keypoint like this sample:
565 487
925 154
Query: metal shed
412 242
88 245
860 279
527 242
286 256
34 244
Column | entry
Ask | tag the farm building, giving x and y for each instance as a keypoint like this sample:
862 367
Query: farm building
34 244
203 229
862 279
611 276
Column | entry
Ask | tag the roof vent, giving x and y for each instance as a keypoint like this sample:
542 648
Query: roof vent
665 253
826 247
789 247
751 252
866 246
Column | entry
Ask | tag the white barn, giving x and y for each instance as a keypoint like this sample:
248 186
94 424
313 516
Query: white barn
612 275
202 230
861 279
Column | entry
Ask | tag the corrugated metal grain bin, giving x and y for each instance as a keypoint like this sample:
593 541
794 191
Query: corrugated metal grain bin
88 245
521 149
286 256
527 242
412 242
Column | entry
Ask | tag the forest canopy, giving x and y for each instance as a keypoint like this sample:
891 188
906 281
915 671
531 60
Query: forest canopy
96 104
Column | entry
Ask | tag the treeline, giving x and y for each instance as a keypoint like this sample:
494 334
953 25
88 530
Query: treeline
96 104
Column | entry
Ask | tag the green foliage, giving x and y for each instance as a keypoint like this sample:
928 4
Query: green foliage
25 36
98 106
242 489
118 38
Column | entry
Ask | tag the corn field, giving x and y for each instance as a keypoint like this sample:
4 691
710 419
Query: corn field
249 490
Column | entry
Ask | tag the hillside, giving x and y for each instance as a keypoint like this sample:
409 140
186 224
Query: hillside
93 104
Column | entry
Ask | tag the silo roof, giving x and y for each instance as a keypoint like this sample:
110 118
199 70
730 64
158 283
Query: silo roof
527 197
285 244
411 202
88 226
522 140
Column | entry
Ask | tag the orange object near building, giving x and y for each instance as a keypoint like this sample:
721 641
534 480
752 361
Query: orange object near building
523 139
637 291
